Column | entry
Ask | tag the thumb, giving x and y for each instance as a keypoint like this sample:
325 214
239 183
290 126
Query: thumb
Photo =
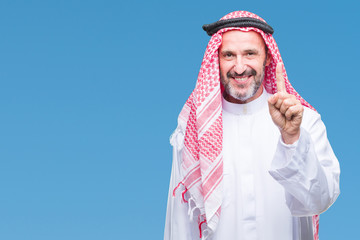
271 103
272 100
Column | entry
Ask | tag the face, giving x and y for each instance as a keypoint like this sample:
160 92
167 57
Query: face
242 65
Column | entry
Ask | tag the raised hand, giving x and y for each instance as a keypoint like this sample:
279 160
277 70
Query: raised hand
285 110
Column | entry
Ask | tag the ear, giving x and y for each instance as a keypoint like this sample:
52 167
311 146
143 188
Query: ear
268 58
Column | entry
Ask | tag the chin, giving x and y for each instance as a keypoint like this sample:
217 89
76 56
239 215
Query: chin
242 95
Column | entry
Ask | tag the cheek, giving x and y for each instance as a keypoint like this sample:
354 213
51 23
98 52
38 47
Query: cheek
256 65
225 66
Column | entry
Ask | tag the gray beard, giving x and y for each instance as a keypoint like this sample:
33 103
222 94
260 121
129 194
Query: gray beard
254 87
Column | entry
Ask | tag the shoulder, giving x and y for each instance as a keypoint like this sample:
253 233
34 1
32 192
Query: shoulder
310 114
311 119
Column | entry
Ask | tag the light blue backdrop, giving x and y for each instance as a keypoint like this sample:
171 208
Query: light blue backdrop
90 92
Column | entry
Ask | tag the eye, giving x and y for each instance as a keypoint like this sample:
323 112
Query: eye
251 53
228 55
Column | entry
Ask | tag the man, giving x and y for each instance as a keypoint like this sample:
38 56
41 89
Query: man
251 157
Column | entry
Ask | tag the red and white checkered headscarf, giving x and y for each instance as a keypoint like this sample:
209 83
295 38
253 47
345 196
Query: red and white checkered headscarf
202 159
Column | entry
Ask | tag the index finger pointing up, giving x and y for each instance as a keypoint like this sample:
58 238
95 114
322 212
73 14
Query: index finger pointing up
280 81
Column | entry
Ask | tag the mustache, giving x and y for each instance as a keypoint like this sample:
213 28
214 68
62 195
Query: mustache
247 72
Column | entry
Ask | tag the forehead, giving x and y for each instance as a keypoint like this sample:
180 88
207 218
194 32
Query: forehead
236 39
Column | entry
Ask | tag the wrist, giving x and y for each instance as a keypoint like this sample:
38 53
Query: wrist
290 138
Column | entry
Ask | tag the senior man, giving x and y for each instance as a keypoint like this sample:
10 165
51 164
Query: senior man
251 157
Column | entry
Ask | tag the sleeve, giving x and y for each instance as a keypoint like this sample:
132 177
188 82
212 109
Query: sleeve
308 169
177 224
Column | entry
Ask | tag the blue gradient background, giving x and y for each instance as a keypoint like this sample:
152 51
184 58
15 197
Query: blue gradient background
90 92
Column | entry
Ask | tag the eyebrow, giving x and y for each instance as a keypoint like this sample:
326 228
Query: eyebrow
251 50
226 51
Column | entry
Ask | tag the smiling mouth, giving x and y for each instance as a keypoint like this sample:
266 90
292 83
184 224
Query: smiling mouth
242 80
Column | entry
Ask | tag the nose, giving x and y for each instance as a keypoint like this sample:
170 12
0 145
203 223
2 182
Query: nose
239 66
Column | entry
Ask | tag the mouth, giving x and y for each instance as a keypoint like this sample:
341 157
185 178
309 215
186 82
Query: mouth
242 80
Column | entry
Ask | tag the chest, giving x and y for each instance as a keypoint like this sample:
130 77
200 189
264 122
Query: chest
249 140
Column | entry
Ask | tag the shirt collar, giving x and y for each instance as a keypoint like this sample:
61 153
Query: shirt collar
246 108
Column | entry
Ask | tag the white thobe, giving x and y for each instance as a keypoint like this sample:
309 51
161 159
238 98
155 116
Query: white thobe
271 189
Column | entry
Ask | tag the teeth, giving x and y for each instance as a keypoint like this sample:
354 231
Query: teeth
241 79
